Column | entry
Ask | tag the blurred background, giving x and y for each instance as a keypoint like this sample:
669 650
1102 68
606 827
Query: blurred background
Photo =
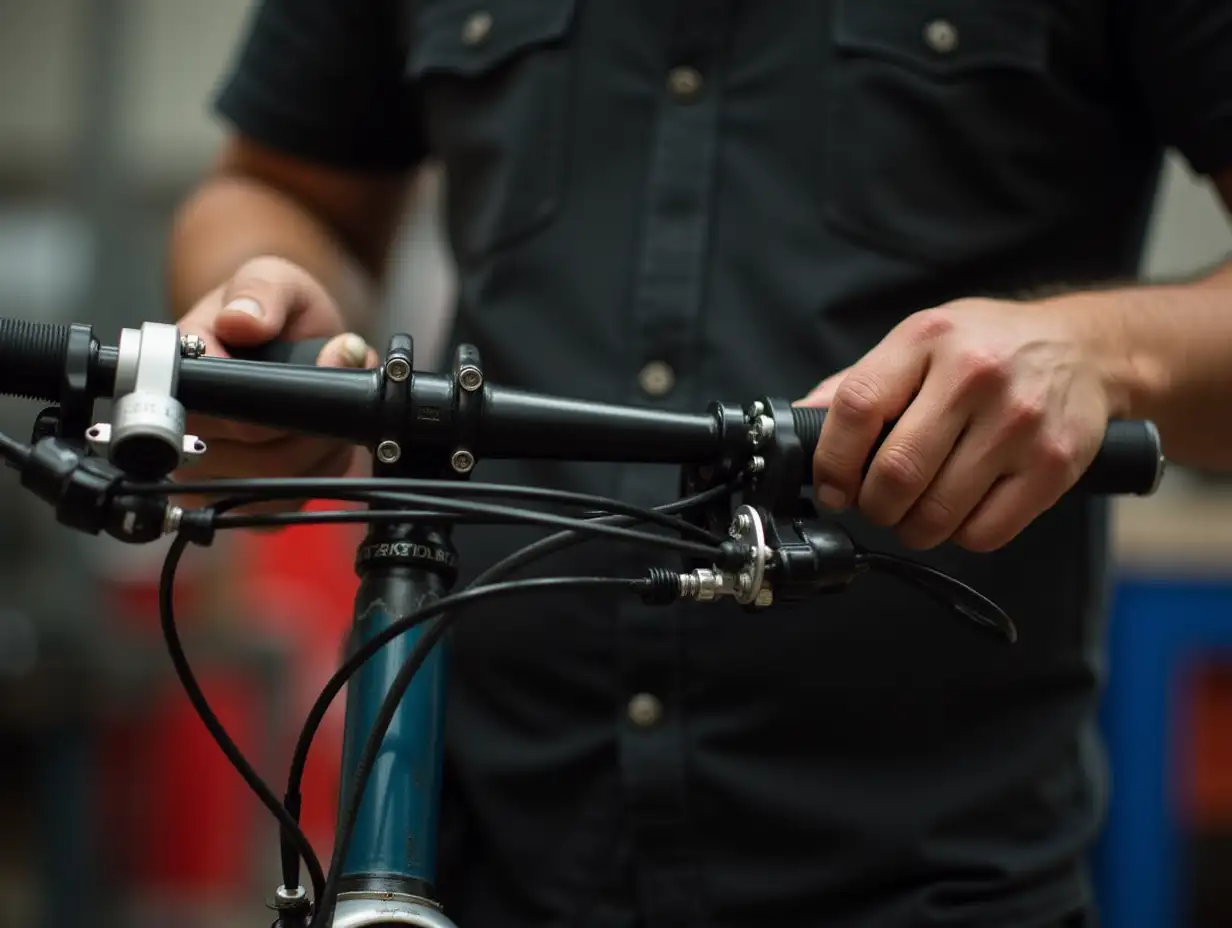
117 810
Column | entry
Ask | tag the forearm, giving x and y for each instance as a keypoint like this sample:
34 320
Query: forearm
232 219
1167 354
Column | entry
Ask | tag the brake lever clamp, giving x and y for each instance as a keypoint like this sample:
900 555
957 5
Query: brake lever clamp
792 558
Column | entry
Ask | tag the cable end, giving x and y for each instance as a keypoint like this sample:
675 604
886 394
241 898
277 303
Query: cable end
662 587
196 525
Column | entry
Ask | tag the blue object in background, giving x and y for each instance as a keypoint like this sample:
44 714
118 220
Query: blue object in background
1159 628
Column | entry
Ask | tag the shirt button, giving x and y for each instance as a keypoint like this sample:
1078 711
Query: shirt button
476 28
684 83
645 710
941 36
657 378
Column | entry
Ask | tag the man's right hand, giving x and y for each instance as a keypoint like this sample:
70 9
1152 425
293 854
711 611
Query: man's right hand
269 298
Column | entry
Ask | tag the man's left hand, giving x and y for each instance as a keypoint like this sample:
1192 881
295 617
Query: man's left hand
1000 409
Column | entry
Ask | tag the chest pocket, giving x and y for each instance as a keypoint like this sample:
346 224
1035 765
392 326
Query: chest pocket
942 126
494 80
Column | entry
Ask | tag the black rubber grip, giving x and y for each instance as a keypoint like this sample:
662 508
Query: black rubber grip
280 352
33 356
1130 461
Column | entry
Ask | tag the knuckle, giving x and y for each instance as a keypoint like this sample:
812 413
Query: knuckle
268 269
1056 453
980 369
929 325
901 467
1024 413
934 516
857 397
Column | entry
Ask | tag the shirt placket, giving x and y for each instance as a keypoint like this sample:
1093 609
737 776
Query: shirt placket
665 317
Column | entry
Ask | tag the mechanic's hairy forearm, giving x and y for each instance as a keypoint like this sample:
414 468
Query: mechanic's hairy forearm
1167 352
231 219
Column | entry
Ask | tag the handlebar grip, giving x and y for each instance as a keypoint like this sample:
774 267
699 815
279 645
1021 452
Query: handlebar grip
33 357
1130 460
303 352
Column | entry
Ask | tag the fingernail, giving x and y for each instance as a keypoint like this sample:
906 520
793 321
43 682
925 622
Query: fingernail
354 350
831 497
245 305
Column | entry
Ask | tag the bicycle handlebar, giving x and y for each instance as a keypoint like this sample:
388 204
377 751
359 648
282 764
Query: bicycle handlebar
279 386
418 424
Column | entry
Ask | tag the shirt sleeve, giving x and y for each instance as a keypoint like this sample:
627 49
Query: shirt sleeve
1182 57
325 81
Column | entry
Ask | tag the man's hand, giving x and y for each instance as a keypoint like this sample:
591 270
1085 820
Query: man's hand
1000 409
270 298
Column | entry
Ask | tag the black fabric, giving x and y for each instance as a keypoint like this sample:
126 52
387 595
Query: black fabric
864 761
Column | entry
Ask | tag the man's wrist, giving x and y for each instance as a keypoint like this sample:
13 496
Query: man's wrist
1115 331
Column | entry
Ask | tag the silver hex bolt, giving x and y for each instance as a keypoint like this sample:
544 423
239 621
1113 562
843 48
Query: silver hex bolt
192 346
741 524
388 452
462 461
470 379
397 370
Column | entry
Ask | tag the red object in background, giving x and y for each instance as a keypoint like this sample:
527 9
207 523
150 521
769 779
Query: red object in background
301 583
179 810
185 821
1208 756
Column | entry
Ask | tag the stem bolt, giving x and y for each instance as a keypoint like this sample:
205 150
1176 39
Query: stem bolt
388 452
397 369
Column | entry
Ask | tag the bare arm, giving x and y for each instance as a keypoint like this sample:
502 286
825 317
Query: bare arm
337 226
1167 351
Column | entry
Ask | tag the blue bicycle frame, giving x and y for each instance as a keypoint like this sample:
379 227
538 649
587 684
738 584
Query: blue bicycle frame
389 869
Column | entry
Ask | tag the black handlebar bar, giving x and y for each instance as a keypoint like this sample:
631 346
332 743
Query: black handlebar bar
279 386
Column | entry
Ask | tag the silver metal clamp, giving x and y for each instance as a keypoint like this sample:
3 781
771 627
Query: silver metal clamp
748 585
146 435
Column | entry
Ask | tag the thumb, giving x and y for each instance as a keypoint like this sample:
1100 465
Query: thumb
823 394
257 300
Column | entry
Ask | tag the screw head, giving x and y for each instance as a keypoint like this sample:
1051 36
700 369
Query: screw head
192 346
741 524
765 597
462 461
470 379
388 452
397 370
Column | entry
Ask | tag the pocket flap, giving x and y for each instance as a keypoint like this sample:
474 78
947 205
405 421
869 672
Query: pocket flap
946 36
469 38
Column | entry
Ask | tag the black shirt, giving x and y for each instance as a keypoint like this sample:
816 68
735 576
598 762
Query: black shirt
668 202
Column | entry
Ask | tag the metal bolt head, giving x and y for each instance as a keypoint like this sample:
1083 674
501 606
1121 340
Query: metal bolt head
462 461
397 370
470 379
757 464
192 346
741 524
388 452
765 596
